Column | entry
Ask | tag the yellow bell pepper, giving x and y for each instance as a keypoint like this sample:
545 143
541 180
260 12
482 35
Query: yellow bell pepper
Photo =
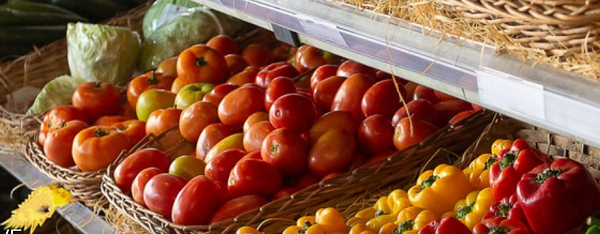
317 229
478 170
382 205
412 219
471 210
500 145
388 228
331 220
302 221
440 189
292 230
377 222
397 201
247 230
358 228
367 213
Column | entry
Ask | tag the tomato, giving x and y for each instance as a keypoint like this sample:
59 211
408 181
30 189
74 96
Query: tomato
293 111
59 142
254 177
255 118
423 92
324 92
286 150
382 155
278 87
404 137
274 70
350 94
140 181
443 96
56 117
349 68
143 82
332 175
450 108
322 73
254 138
195 118
340 120
201 64
94 148
187 167
168 67
210 136
309 57
220 166
151 100
224 44
460 116
306 179
223 193
306 92
286 192
476 107
257 55
160 193
359 160
109 120
332 152
235 63
162 120
233 141
247 76
127 111
196 202
421 109
192 93
375 135
134 129
239 104
410 88
383 98
237 206
284 52
129 168
178 84
96 99
218 93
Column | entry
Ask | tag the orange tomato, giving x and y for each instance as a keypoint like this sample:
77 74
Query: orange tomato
59 142
195 118
161 120
224 44
149 80
201 64
257 55
96 147
55 117
168 67
127 111
135 129
177 85
110 120
248 75
235 63
97 99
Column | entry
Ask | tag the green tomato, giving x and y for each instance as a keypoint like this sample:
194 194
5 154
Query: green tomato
151 100
187 167
192 93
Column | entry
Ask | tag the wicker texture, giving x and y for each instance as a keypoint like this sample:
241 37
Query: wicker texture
343 190
559 27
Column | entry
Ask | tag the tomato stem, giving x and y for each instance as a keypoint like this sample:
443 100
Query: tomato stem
152 80
100 132
200 61
97 84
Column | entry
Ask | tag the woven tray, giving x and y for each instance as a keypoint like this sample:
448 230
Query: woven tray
401 167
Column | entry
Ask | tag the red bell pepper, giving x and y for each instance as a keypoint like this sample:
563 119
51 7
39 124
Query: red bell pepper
449 225
558 197
509 208
499 225
512 164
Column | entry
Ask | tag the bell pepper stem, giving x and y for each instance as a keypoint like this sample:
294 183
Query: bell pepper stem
503 209
463 211
547 174
405 226
429 181
489 162
497 230
508 159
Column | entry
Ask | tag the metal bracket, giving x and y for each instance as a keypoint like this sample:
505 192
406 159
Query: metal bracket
285 35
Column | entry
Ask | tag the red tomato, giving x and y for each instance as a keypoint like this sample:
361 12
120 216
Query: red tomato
293 111
450 108
332 152
195 118
168 67
460 116
278 87
359 161
160 193
224 44
239 104
222 191
257 55
324 92
220 166
201 64
423 92
210 136
283 51
340 120
307 179
94 148
161 120
196 202
444 97
235 63
381 75
254 177
252 155
143 82
59 142
421 109
350 68
127 111
404 137
253 119
382 155
321 73
140 181
97 99
375 135
383 98
135 129
110 120
332 175
274 70
476 107
218 93
253 139
127 170
247 76
309 57
286 192
410 88
237 206
306 92
286 150
350 94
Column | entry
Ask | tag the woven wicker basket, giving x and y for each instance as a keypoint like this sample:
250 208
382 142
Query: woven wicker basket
401 167
559 27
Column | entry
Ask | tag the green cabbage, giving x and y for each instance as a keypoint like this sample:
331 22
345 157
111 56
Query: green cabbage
55 93
155 13
102 53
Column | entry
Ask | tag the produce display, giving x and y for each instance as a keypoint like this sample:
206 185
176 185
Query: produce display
523 192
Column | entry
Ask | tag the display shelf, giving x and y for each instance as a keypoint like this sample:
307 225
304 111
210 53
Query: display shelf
560 101
81 217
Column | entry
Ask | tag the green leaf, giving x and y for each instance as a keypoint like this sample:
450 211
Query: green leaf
57 92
